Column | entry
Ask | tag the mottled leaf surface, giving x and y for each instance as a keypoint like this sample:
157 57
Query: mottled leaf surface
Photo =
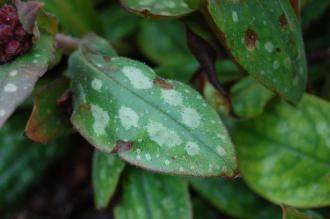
22 162
265 39
231 196
49 120
18 77
148 196
156 8
122 105
249 97
106 171
284 153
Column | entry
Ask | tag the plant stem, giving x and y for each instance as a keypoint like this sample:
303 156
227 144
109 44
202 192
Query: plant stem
67 43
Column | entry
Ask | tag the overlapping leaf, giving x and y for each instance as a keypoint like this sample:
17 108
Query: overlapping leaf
249 97
292 213
18 77
230 196
265 39
77 17
170 46
284 153
49 120
106 171
121 105
148 196
155 8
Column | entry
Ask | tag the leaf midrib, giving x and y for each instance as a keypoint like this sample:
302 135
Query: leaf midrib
287 147
157 109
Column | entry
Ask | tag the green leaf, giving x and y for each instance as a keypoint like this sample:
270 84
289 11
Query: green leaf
148 196
118 22
227 71
249 98
105 174
170 46
121 105
154 8
18 77
22 162
284 153
230 196
314 9
265 39
49 120
292 213
77 17
182 71
272 212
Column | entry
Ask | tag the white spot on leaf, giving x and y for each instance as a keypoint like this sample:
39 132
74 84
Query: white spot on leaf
276 65
167 162
269 47
235 16
13 73
172 97
96 84
220 151
128 117
162 135
137 78
101 119
192 148
10 88
2 112
190 117
148 157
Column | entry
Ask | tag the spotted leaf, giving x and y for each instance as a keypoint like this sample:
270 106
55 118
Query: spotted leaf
284 153
50 117
121 105
265 39
148 196
155 8
18 77
105 174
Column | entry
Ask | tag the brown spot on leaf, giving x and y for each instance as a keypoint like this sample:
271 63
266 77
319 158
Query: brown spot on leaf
123 146
283 20
163 84
85 106
107 58
250 39
145 13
